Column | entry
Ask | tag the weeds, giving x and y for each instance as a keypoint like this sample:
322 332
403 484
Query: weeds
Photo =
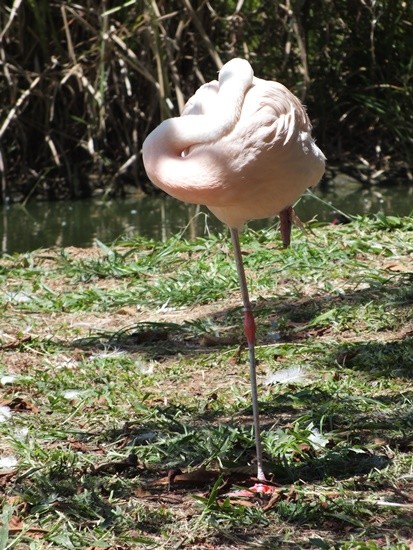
127 414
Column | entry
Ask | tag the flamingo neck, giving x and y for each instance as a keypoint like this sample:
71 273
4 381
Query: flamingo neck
175 135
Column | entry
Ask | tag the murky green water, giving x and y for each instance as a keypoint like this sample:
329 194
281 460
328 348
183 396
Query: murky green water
62 224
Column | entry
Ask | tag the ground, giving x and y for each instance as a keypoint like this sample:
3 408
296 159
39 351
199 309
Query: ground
125 413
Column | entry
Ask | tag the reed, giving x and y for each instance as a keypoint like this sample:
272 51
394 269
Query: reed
84 82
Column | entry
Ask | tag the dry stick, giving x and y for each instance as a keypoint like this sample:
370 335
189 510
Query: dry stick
70 48
299 34
4 64
13 13
130 57
175 79
163 89
53 150
3 186
101 71
77 70
18 103
172 66
75 15
205 38
238 8
180 98
12 112
2 167
298 30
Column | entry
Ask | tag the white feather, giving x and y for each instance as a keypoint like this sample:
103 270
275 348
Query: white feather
286 376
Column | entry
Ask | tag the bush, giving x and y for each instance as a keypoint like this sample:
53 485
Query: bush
84 83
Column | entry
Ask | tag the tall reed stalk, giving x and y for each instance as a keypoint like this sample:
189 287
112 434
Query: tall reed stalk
82 83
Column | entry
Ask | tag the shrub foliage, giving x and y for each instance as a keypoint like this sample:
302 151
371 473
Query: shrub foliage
82 83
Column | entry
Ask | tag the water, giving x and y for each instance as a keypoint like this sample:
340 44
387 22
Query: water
80 223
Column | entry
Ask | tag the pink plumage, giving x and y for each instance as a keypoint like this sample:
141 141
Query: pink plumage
243 148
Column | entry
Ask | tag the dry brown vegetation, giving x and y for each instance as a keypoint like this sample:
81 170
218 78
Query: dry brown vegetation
83 82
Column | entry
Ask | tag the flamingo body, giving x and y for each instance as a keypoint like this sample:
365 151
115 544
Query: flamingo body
242 147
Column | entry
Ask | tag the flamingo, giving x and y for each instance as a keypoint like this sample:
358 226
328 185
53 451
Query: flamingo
243 147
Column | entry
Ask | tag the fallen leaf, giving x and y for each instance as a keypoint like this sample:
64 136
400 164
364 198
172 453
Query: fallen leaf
16 343
398 266
240 502
7 475
276 497
83 447
116 466
201 476
19 404
16 526
140 492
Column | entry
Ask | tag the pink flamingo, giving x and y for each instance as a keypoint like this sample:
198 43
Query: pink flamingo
243 148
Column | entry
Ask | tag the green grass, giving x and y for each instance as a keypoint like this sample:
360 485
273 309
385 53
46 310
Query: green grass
128 362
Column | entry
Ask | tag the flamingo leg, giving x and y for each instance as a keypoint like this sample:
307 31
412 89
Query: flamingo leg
286 220
249 329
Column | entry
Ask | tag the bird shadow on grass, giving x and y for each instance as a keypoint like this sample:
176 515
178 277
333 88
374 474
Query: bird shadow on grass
187 464
279 320
186 438
301 318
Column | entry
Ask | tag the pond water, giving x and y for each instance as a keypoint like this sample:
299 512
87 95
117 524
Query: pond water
80 223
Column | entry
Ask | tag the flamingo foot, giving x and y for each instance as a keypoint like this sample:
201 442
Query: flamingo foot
258 488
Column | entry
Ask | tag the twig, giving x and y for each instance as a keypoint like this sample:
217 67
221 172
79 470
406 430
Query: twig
205 38
18 103
13 13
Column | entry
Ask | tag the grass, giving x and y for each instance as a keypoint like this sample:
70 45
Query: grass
125 414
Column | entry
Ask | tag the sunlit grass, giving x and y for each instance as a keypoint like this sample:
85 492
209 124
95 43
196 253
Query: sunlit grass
127 363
